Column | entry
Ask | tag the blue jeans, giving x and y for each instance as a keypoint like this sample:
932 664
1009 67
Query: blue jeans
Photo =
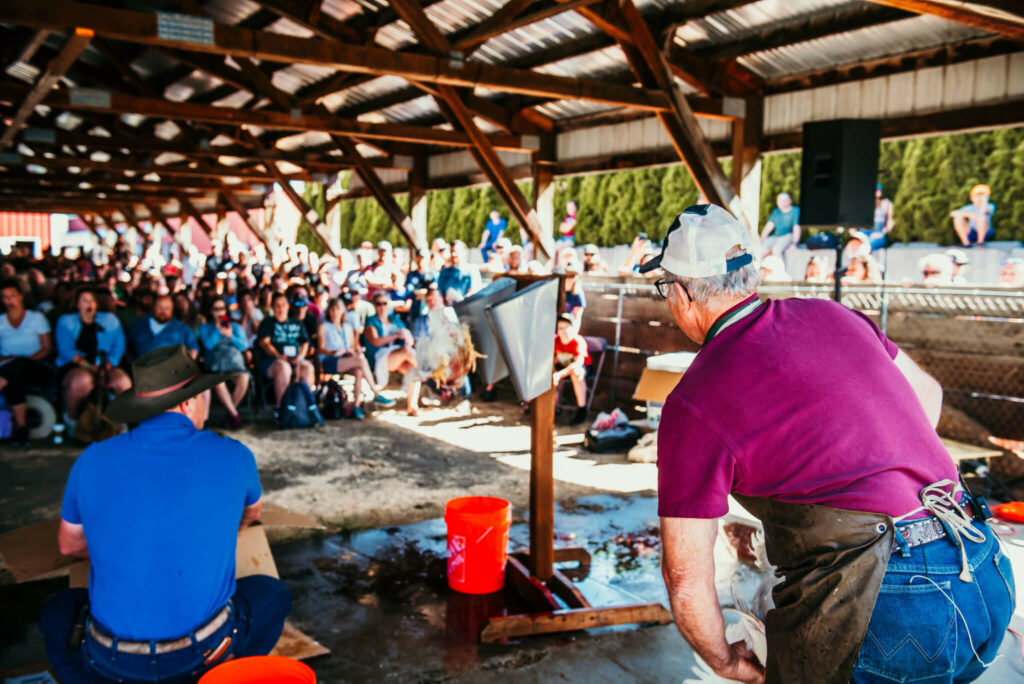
916 633
259 608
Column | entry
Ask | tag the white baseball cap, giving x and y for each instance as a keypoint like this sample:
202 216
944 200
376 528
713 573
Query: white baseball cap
697 242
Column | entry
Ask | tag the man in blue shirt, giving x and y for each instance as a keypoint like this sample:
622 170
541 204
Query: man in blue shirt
493 230
157 511
161 329
782 231
454 280
973 222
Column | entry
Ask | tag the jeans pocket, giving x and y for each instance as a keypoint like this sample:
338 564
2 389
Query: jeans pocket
912 633
1006 572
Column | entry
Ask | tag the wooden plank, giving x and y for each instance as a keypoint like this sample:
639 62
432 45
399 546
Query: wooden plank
530 587
1007 24
542 486
506 19
313 218
199 171
31 553
294 644
141 27
564 589
190 210
185 111
74 47
499 628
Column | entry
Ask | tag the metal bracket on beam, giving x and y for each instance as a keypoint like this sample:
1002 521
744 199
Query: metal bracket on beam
39 135
735 107
89 97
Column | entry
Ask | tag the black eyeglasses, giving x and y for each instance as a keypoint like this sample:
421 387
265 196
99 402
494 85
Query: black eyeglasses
931 273
665 286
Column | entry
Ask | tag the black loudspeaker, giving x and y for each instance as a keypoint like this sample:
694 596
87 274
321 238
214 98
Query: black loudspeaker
839 172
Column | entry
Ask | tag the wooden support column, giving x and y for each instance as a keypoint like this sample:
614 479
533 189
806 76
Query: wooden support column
453 106
542 486
129 217
418 197
543 184
236 206
689 141
74 47
746 158
90 223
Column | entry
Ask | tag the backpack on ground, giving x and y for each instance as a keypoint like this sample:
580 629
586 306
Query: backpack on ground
298 408
335 401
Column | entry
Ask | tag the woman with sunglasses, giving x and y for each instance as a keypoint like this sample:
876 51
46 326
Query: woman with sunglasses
225 347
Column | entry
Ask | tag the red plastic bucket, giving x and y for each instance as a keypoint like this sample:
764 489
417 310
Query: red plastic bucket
260 670
477 543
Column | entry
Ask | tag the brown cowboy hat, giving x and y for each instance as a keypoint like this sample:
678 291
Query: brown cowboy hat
162 379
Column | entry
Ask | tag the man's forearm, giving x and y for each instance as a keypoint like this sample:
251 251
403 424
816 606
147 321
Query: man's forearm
698 615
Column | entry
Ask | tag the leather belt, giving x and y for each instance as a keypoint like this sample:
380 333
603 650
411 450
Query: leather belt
142 647
925 530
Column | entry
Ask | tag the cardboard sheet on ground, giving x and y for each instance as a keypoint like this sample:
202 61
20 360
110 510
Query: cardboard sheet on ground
524 325
471 312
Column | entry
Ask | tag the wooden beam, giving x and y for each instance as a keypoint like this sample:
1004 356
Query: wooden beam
129 217
33 45
198 171
386 200
122 104
812 28
141 27
687 138
323 25
542 491
74 46
236 206
506 19
505 627
746 140
1007 24
483 151
90 223
189 209
156 215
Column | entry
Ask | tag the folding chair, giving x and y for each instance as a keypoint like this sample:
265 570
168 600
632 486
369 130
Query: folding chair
597 347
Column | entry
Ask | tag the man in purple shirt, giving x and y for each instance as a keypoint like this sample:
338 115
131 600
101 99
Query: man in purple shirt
821 427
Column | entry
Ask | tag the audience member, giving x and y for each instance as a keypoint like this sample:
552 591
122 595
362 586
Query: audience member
571 359
161 329
24 345
862 269
340 353
455 280
973 222
567 229
90 345
773 269
936 269
225 350
960 261
592 261
817 270
437 354
389 344
883 222
282 344
1011 272
494 229
782 230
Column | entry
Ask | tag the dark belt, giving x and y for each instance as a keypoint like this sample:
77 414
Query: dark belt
926 530
142 647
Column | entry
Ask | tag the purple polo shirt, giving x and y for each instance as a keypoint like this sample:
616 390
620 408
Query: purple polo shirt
799 401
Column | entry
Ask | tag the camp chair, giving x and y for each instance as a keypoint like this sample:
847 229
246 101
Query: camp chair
597 347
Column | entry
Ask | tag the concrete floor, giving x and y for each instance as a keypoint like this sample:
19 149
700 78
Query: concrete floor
377 597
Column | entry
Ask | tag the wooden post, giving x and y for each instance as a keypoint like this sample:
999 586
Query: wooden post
418 198
542 486
543 186
746 158
236 206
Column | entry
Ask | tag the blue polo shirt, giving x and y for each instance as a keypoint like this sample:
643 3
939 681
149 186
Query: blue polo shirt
784 221
160 506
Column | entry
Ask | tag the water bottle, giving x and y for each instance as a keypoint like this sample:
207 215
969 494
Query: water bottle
58 434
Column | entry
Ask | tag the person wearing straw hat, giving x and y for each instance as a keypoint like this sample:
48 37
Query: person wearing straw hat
157 511
888 570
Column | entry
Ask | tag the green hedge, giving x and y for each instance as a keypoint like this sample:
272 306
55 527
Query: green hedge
926 177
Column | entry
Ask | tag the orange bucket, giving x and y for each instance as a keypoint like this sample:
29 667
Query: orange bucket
477 543
260 670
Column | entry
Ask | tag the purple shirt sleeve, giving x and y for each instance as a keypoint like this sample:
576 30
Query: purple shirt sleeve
696 467
890 346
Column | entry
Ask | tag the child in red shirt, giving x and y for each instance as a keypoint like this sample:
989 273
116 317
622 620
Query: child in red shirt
571 359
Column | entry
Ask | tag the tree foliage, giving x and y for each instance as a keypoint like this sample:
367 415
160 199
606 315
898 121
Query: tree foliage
925 177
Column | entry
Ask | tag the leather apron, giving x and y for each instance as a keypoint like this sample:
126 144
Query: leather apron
832 562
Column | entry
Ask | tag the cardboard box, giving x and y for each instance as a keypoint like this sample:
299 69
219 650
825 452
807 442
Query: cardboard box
659 378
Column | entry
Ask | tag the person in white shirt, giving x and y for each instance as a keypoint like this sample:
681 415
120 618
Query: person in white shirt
24 345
